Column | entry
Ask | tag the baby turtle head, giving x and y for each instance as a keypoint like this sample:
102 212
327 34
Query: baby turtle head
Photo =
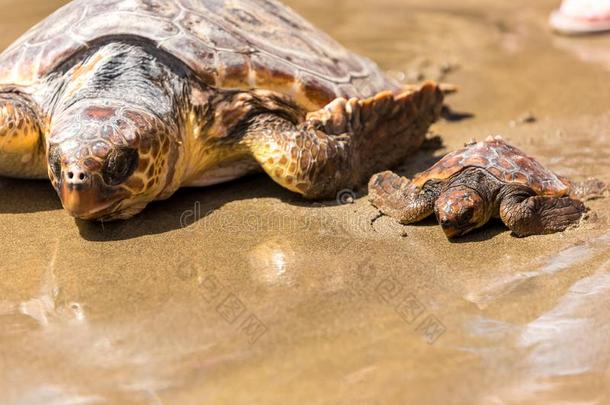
460 210
108 161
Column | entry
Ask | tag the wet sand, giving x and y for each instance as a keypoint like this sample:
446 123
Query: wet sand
266 299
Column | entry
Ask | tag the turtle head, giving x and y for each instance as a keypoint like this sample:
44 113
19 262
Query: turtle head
108 161
460 210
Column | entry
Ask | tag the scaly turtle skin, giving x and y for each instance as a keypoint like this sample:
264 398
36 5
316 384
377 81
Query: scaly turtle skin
122 102
487 179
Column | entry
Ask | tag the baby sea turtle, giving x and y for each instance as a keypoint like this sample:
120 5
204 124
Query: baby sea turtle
484 180
122 102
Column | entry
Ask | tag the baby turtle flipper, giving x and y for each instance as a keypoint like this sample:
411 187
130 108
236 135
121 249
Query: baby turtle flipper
22 151
343 144
539 215
397 197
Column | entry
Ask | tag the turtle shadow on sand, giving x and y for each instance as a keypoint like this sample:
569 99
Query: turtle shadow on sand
184 209
27 196
426 157
192 204
492 229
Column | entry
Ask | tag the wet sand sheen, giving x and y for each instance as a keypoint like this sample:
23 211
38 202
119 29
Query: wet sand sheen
267 299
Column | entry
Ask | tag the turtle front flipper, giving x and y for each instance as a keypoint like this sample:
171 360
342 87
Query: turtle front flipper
22 150
399 198
539 215
343 144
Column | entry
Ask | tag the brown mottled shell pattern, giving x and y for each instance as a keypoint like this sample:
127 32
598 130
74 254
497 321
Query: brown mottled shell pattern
502 160
235 44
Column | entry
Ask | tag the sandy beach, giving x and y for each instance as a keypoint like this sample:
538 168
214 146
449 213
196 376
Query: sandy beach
245 293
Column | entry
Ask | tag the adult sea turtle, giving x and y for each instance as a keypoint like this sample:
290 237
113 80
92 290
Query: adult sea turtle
122 102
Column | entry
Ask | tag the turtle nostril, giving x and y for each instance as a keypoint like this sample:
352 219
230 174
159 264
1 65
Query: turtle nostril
76 176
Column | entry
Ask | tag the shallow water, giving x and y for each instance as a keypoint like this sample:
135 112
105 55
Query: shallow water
263 298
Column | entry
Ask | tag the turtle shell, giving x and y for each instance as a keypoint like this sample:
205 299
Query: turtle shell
505 162
231 44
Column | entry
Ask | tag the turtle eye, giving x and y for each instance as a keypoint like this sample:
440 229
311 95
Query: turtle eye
465 217
55 161
120 165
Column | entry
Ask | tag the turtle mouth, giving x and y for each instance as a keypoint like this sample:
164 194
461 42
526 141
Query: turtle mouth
91 202
104 212
452 231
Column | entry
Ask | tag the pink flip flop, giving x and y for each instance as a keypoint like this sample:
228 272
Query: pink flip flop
576 17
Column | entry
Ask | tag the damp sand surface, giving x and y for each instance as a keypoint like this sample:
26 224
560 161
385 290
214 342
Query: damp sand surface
267 299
